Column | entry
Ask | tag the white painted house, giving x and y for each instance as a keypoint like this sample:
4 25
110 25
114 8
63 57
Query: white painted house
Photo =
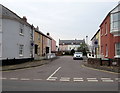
16 36
68 45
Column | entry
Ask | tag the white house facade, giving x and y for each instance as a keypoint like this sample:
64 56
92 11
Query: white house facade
68 45
16 36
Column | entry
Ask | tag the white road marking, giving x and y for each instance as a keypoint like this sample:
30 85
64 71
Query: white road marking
13 78
92 80
107 80
24 79
3 78
51 79
64 80
53 73
117 78
37 79
78 80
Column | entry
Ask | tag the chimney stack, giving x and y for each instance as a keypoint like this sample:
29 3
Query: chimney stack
24 18
48 34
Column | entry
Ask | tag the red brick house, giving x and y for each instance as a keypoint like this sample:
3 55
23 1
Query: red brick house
110 34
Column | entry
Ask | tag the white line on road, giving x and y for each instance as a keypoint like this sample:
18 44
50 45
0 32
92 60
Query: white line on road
51 79
64 80
92 80
117 78
37 79
24 79
13 78
107 80
53 73
78 80
3 78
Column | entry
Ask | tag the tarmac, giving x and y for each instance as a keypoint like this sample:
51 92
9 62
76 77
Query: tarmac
36 63
29 64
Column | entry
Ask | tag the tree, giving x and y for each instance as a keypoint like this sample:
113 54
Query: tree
83 48
72 51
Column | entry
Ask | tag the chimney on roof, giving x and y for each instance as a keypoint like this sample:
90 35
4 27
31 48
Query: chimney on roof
37 28
48 34
24 18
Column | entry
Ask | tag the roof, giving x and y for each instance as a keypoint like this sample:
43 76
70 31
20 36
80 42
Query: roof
71 42
8 13
42 33
95 34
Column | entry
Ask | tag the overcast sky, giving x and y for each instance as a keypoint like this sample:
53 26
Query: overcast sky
63 19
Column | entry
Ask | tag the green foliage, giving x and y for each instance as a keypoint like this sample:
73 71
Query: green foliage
72 51
83 48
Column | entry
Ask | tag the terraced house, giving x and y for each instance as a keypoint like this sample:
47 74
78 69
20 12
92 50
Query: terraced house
42 44
110 34
16 36
68 45
96 44
109 38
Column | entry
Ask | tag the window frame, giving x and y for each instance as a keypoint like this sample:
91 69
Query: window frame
21 32
116 54
21 50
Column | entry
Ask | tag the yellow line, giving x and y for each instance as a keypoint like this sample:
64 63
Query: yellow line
100 70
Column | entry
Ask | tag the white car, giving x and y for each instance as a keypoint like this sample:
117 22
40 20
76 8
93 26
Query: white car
78 55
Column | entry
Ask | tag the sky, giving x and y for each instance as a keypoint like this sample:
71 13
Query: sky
63 19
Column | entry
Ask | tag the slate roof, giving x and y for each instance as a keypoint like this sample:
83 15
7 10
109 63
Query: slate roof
71 42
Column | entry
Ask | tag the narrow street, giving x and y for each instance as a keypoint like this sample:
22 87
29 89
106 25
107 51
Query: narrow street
63 74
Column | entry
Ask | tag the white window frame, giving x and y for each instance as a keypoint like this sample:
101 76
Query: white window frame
0 50
116 50
106 54
106 31
21 50
101 31
21 30
113 21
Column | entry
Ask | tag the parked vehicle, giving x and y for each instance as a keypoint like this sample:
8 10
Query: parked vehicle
78 55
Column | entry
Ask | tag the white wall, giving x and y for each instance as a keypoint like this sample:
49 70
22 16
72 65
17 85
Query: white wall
12 39
75 47
0 31
49 44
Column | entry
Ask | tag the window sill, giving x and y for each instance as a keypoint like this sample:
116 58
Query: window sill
21 55
106 34
106 56
21 34
117 56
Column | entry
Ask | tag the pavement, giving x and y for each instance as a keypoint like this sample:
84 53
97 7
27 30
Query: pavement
29 64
